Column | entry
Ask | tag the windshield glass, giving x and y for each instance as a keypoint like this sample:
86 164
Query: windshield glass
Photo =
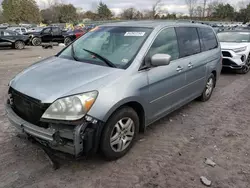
234 37
118 45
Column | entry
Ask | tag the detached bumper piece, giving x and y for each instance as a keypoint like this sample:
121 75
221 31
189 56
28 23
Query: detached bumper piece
77 140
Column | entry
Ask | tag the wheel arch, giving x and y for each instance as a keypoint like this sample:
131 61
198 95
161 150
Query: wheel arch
214 72
137 106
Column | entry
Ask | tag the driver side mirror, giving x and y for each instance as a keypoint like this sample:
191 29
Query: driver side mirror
160 60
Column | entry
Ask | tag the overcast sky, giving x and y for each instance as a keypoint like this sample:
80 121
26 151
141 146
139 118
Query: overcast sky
177 6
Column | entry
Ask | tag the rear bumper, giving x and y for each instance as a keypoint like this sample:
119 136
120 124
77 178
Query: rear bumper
73 139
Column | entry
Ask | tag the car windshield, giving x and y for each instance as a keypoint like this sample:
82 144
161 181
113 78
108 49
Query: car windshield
234 37
106 46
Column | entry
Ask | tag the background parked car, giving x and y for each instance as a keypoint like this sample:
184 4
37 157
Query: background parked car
20 30
77 32
13 39
236 50
50 34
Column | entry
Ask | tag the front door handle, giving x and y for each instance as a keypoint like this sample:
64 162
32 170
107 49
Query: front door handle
190 65
179 69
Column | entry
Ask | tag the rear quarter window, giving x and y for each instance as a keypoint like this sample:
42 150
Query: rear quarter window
188 41
207 39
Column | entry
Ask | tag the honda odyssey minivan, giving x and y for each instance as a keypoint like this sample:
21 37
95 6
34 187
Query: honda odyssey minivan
101 90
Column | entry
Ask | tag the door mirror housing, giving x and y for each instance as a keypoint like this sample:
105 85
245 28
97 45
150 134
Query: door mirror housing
160 60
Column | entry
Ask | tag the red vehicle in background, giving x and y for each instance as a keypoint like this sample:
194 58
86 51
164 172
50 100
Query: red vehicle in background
78 32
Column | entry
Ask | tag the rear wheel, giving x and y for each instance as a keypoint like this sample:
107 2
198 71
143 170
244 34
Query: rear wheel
67 41
19 45
207 93
36 41
119 133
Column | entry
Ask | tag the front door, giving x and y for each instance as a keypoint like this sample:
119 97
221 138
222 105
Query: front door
57 35
166 83
46 35
6 38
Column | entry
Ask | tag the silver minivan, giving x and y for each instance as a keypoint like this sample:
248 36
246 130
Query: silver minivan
101 90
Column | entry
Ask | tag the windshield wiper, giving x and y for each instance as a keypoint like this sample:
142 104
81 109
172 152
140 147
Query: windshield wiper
100 57
73 53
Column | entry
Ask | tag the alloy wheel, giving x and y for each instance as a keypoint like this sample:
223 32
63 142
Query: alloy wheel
19 45
209 87
122 134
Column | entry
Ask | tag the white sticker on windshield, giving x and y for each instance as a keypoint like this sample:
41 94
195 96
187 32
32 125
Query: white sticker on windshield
134 34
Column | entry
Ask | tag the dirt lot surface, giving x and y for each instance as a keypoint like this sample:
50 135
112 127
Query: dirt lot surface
170 154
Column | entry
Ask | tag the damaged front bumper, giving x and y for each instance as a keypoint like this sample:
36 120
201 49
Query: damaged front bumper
76 140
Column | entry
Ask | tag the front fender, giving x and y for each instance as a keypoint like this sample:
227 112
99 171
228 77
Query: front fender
103 114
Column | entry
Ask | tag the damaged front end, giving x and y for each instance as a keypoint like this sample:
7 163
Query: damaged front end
76 137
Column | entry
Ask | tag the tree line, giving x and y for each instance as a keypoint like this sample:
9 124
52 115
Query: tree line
27 11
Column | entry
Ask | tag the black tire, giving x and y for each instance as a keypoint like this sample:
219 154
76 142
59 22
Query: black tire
19 45
245 69
205 96
36 41
67 41
105 146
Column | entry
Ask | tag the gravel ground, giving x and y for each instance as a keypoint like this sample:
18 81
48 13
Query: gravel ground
170 154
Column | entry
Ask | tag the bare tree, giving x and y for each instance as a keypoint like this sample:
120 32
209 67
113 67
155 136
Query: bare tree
155 9
204 8
191 6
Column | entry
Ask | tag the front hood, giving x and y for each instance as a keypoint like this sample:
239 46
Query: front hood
55 77
232 45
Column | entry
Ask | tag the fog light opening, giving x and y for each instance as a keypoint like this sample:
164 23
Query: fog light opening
243 58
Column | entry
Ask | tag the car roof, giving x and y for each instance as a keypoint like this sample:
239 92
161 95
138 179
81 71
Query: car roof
154 24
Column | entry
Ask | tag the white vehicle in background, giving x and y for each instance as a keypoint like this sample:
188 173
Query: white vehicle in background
235 47
20 30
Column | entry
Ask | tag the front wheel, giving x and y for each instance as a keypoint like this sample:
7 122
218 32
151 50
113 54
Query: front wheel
19 45
207 92
119 133
245 69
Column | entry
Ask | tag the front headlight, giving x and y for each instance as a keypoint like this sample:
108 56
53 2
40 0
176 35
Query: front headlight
71 108
237 50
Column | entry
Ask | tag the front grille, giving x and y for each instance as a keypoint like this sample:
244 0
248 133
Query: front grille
226 54
228 62
28 108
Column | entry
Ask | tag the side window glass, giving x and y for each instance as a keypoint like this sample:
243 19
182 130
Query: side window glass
46 31
188 40
165 43
207 39
55 30
23 30
6 33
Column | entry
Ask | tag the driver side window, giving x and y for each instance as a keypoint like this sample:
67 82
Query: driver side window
165 43
46 31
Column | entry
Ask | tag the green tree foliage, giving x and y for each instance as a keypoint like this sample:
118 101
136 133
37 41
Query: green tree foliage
63 13
21 11
131 14
90 15
224 12
243 14
67 13
103 11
